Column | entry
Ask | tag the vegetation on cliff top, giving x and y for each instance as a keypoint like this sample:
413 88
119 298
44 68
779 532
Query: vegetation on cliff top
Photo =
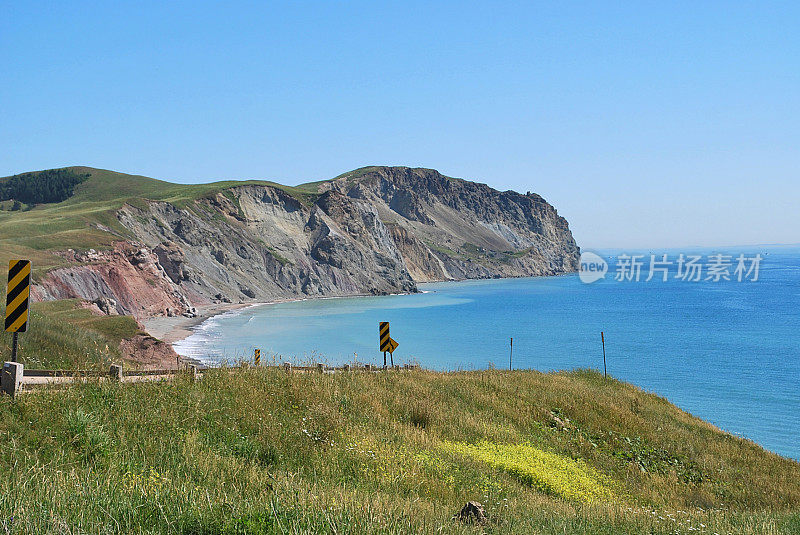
260 451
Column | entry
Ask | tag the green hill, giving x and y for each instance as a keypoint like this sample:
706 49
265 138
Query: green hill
260 451
435 223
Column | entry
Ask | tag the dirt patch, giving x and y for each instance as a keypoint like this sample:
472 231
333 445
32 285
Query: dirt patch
149 353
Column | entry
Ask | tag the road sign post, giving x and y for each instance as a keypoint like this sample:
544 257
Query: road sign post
17 301
14 347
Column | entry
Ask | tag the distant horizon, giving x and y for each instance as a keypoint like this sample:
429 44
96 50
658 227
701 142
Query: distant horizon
690 248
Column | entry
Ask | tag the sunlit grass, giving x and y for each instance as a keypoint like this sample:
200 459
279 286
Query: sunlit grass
64 335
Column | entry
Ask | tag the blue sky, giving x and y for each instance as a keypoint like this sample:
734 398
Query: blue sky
647 124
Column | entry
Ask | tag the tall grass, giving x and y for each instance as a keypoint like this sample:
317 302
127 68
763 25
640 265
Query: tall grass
257 450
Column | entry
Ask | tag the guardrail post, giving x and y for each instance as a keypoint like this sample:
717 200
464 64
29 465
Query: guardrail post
11 378
347 367
193 373
288 367
321 368
115 372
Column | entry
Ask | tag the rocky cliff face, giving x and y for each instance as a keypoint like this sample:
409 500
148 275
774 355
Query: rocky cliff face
373 231
449 228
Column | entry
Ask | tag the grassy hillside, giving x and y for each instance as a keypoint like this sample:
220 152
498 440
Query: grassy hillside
87 219
260 451
64 335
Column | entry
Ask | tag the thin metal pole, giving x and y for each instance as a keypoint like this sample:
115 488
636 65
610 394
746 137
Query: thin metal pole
384 359
511 353
14 347
603 340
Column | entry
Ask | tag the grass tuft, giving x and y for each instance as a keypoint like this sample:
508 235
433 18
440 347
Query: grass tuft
86 434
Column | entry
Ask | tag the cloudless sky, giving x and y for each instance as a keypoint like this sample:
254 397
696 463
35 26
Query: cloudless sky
646 124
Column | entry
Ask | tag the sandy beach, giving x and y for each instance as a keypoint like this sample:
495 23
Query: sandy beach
176 328
173 329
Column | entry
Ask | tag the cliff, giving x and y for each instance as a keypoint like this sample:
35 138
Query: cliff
165 249
447 228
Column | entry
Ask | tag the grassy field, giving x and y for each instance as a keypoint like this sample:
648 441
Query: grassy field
260 451
87 219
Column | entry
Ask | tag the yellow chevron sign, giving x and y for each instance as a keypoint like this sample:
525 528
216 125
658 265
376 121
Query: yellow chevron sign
19 291
386 342
257 357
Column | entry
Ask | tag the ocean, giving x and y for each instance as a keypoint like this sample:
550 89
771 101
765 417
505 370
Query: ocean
727 351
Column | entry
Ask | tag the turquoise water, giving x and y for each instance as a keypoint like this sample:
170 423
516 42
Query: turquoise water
728 352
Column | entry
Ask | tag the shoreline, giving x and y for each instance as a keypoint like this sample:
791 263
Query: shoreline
171 330
176 328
